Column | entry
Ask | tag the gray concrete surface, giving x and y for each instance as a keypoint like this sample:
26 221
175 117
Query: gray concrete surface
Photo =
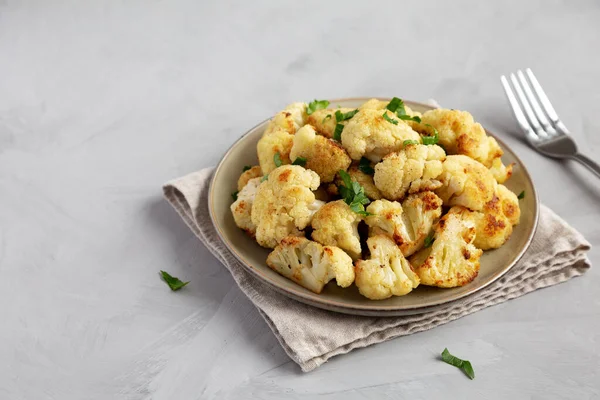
102 102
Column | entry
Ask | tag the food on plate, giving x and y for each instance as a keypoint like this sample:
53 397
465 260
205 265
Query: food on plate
452 259
494 223
284 204
409 223
386 273
335 224
324 156
241 208
375 134
465 182
460 134
310 264
248 173
414 169
378 195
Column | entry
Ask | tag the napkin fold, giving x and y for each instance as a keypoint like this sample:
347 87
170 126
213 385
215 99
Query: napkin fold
310 336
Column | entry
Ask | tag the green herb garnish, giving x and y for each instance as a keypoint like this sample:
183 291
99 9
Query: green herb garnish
316 105
521 195
300 161
409 118
394 104
337 134
464 365
428 140
173 282
277 160
264 178
234 195
428 240
340 116
353 194
388 119
246 168
407 142
328 116
365 166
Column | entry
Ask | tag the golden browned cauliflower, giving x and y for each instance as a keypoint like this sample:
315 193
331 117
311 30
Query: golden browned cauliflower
324 120
407 224
284 204
387 273
494 224
290 119
278 141
254 172
242 207
460 134
500 171
368 134
414 169
465 182
452 260
324 156
335 224
375 104
310 264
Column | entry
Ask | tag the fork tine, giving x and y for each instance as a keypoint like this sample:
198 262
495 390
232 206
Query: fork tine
516 108
528 111
545 102
547 127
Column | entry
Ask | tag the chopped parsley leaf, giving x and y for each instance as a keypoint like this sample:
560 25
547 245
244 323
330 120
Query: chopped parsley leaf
388 119
340 116
407 142
394 104
328 116
428 240
353 194
264 178
365 166
337 134
521 195
409 118
173 282
300 161
277 160
464 365
431 139
316 105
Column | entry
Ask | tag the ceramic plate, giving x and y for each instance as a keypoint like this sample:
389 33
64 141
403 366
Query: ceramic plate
494 263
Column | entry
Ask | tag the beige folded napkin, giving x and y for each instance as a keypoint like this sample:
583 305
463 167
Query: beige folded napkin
310 336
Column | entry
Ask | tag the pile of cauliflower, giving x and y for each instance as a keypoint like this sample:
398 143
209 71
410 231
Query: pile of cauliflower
379 196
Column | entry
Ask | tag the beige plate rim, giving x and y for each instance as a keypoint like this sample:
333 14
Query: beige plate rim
374 309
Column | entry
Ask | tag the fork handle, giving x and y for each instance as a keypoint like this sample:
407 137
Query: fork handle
588 162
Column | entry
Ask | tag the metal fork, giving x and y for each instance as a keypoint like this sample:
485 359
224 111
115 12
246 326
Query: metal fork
544 131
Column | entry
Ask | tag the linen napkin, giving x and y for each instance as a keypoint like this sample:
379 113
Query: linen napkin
310 336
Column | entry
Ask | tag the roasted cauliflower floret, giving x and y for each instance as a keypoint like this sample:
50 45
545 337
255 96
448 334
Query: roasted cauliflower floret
500 171
278 141
284 204
460 134
452 260
387 273
290 119
465 182
368 134
324 156
407 224
254 172
494 224
242 207
310 264
324 120
375 104
335 224
414 169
